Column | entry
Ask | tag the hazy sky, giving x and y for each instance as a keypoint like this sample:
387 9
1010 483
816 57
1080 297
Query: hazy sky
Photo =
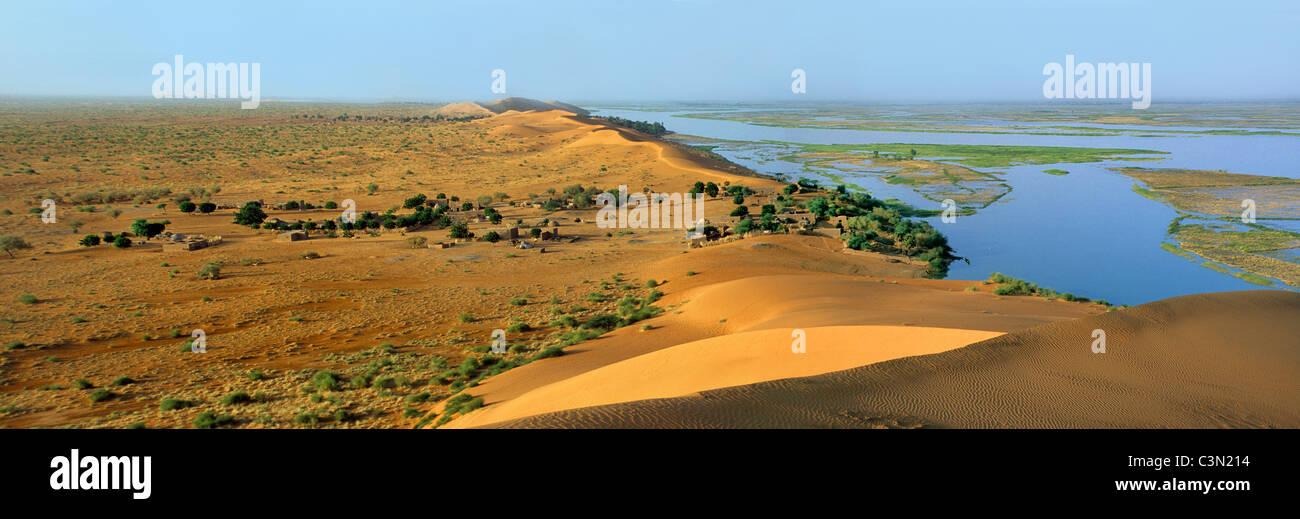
648 50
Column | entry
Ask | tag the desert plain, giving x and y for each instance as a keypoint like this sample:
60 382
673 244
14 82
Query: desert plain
415 326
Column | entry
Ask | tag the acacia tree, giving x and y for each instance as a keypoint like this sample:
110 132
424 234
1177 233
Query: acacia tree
142 227
10 243
250 214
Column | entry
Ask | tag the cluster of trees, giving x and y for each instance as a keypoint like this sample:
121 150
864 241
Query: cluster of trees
650 128
252 215
767 221
388 118
204 207
804 185
581 197
736 191
141 228
120 241
873 224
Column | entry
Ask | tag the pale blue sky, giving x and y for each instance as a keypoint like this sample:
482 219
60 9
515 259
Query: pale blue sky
650 50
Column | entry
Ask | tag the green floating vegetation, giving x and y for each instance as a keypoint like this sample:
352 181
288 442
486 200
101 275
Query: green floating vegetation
1216 267
1175 250
1253 278
1056 172
985 156
1137 188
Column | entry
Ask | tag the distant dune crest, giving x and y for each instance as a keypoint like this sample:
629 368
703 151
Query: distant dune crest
517 104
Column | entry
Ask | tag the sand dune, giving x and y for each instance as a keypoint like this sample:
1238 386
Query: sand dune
463 109
731 360
1207 360
788 282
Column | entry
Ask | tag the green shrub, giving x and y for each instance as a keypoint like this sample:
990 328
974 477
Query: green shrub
238 397
325 380
171 404
209 420
384 382
602 322
567 321
553 351
122 381
211 270
100 395
82 383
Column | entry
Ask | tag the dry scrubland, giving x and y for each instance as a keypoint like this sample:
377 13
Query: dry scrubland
373 331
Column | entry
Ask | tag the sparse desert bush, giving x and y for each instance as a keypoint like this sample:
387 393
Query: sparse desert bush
466 317
552 351
417 242
567 321
122 381
238 397
27 299
210 270
326 380
209 420
309 255
171 404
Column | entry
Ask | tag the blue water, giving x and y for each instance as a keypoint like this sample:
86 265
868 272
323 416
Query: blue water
1086 233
